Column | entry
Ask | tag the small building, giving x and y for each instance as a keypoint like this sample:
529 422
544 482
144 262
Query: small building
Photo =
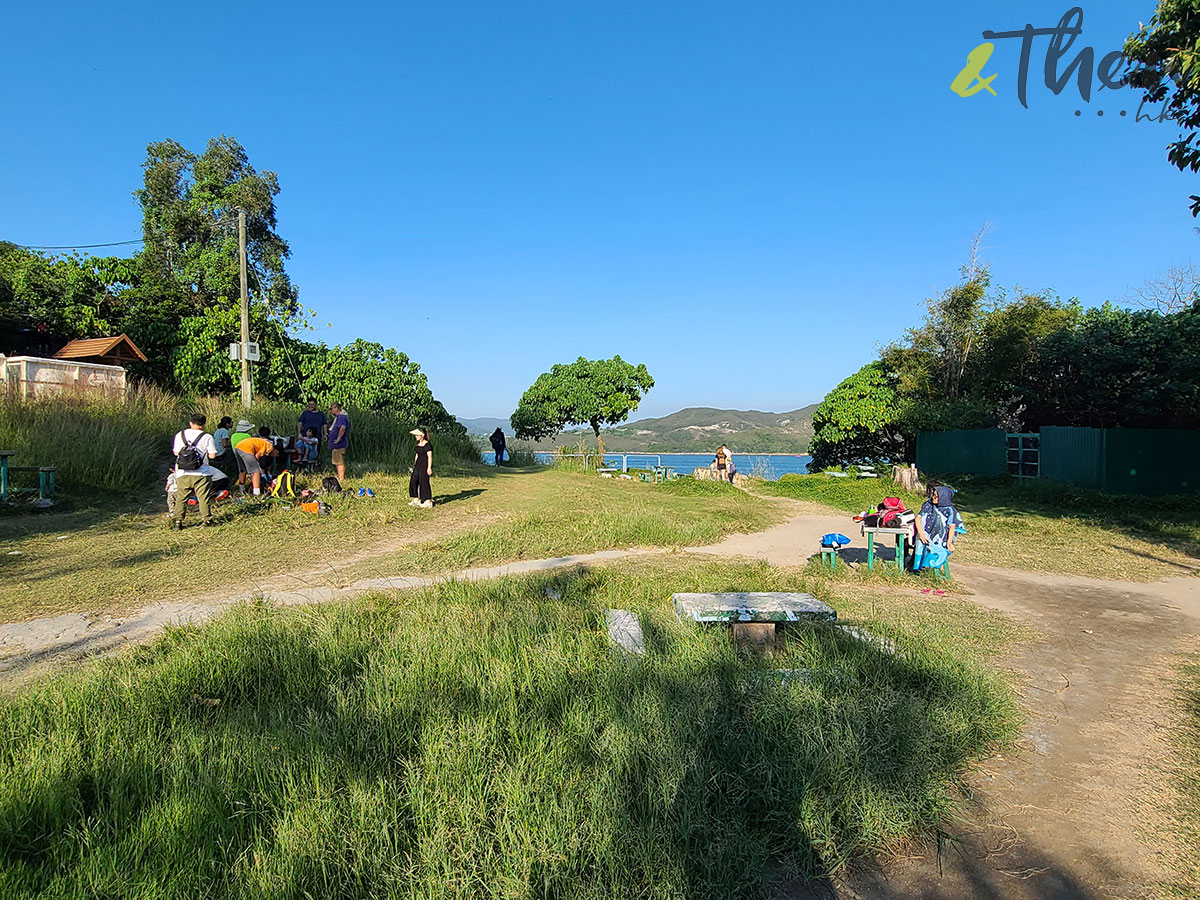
109 351
95 364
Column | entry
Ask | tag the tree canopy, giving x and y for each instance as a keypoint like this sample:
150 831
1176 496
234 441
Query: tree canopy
1165 57
591 392
982 359
178 298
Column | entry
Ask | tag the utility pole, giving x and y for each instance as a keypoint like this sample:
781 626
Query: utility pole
245 308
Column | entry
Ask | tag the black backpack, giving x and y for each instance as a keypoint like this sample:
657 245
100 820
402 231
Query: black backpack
188 459
331 485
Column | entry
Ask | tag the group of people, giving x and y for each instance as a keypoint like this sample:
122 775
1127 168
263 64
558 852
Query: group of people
202 459
204 462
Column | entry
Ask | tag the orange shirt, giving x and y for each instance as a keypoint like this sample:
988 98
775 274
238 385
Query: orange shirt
257 447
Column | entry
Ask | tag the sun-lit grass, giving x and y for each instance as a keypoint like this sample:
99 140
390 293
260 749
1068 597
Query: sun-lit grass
93 560
485 740
99 442
1183 809
1040 526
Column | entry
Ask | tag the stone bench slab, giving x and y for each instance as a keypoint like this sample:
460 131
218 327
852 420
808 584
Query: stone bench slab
753 606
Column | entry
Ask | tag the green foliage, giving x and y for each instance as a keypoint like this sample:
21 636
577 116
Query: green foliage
983 360
178 299
101 442
1165 53
349 750
859 420
593 392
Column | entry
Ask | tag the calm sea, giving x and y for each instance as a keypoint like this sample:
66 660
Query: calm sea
767 465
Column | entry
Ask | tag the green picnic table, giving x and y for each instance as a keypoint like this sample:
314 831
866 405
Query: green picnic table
46 476
4 455
901 535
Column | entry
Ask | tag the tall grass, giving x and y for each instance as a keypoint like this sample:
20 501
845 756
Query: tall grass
479 740
103 442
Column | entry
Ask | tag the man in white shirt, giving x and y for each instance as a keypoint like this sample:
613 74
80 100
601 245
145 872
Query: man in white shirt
193 449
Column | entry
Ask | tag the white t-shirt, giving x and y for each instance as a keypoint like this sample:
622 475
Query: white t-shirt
204 445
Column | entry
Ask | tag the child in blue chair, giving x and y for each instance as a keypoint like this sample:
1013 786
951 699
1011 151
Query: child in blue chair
938 524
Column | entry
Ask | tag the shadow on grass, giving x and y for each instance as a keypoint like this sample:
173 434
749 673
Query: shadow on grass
443 499
352 751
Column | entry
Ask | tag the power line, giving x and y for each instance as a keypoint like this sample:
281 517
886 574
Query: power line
79 246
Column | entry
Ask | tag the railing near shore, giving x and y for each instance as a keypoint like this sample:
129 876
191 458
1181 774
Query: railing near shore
587 458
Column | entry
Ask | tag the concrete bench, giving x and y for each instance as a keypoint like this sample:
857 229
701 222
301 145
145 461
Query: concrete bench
753 614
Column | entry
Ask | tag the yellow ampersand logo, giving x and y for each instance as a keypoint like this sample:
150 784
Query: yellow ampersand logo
968 82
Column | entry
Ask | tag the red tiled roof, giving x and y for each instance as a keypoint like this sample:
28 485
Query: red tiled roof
119 347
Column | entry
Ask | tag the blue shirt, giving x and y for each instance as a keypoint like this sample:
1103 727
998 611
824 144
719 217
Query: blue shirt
342 421
314 419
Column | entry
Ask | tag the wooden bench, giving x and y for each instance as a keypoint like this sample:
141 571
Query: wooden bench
753 614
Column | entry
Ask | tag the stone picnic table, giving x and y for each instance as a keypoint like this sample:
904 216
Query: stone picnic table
753 614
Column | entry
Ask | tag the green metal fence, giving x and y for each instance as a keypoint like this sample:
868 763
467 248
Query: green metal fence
965 451
1151 462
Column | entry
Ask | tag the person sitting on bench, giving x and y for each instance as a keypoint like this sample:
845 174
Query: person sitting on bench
937 524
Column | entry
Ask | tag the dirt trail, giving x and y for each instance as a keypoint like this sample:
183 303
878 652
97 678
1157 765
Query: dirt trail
1068 815
1061 818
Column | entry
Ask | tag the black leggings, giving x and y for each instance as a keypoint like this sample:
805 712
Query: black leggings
418 485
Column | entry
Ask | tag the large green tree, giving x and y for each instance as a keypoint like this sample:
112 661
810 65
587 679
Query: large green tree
1165 57
190 209
860 420
591 392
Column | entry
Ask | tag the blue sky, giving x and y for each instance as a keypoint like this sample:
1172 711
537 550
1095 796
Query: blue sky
748 200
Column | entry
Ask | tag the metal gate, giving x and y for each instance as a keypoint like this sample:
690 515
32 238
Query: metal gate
1024 455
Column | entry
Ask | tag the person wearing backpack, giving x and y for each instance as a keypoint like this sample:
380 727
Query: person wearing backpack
193 448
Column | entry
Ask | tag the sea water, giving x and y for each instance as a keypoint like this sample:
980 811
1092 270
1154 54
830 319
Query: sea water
770 466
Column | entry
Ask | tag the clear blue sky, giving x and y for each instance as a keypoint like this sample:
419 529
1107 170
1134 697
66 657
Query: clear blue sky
747 198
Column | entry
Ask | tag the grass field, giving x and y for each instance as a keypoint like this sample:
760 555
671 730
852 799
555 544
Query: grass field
485 740
1183 808
1041 527
112 556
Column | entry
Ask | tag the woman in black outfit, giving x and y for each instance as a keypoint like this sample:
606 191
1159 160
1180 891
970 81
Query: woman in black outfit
418 482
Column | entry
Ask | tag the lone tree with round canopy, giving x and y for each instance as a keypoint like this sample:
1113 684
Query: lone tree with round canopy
588 391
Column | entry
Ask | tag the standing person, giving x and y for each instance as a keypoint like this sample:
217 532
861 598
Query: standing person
193 448
720 464
729 467
241 431
249 452
311 417
223 442
418 483
499 445
339 438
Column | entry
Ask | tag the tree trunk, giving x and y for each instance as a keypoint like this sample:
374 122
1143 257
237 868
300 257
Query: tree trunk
907 477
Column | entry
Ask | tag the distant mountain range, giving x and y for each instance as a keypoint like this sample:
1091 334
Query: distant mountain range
698 429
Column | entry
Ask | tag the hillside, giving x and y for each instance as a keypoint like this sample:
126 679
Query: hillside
703 429
694 430
484 425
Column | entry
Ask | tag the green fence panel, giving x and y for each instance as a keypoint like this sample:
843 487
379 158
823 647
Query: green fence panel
1152 462
965 451
1074 456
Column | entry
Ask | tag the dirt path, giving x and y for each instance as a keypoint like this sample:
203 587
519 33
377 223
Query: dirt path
1069 815
1062 818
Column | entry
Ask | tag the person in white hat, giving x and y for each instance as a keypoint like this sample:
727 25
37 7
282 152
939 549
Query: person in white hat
418 483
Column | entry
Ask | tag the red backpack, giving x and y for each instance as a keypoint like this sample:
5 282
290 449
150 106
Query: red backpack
889 512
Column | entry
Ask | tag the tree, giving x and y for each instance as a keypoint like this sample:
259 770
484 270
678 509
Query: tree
1165 54
592 392
860 420
190 225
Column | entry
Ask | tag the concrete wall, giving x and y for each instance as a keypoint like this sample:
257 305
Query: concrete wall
32 376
